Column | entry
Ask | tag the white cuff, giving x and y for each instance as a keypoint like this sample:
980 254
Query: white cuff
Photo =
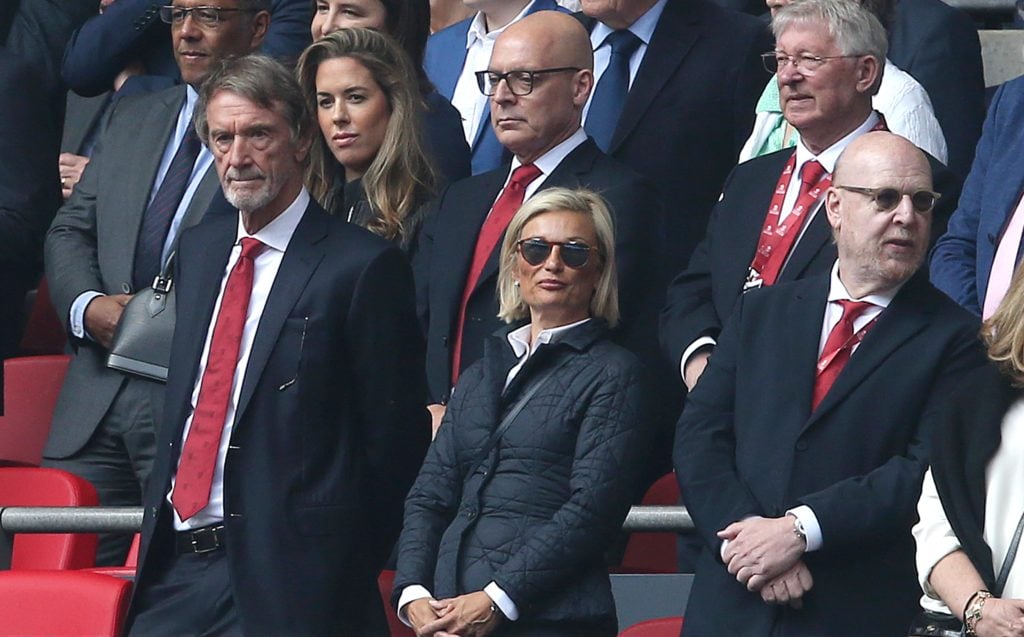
78 313
502 601
812 529
410 594
703 341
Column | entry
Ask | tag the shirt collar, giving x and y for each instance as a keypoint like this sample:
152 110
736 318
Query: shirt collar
551 159
478 28
642 28
519 338
828 157
278 232
837 291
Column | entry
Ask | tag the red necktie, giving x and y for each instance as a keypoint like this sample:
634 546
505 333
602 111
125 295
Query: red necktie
199 454
490 234
838 348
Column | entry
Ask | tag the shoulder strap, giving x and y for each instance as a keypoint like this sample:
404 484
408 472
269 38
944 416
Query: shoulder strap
510 415
1004 570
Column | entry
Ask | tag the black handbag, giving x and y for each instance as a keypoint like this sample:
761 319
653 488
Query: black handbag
142 340
932 624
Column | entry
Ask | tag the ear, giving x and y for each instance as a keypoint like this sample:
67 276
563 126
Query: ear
302 149
869 73
583 84
260 24
832 208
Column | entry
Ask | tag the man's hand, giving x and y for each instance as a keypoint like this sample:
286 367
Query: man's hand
790 587
1001 618
436 414
467 615
71 167
102 315
420 612
694 367
761 549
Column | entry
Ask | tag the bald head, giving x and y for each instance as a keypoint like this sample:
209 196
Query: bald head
880 150
880 210
541 73
555 39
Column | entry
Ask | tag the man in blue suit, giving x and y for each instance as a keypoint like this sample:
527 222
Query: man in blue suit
455 54
981 230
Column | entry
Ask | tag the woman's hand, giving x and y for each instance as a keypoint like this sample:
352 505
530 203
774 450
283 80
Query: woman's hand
1001 618
467 615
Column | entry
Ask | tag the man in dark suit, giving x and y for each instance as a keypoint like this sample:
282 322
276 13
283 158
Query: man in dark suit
295 422
453 57
147 179
938 45
693 76
801 451
540 77
28 191
830 105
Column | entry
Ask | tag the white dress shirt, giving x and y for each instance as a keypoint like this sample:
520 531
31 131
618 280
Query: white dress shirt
275 236
519 341
546 163
203 162
467 97
1003 507
827 158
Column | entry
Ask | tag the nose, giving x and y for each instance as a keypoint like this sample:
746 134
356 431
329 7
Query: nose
238 154
189 28
502 93
904 213
554 261
788 73
339 114
330 23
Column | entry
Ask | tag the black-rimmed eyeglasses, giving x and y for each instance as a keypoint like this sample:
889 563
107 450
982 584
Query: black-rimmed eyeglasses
887 199
206 16
574 254
519 82
805 64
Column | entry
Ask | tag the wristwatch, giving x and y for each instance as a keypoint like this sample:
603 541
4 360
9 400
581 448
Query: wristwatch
798 528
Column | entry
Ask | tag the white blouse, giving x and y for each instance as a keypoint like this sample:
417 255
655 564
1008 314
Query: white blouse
1004 504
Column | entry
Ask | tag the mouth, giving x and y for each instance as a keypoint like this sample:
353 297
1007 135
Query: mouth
344 139
551 284
901 245
192 56
506 122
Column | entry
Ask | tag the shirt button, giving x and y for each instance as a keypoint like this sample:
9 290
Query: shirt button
801 445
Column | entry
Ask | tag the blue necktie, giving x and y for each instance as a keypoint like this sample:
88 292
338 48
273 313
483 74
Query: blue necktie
611 91
157 220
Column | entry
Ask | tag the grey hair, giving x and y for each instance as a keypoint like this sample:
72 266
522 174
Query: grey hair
605 302
855 28
263 81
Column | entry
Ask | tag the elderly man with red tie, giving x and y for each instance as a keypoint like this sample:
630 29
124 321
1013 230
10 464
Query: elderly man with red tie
801 451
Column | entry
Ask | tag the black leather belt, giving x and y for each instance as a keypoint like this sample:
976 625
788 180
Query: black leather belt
204 540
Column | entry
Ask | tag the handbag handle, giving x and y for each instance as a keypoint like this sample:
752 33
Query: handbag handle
1011 553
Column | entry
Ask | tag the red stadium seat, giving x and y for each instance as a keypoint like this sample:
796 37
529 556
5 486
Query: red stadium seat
35 486
385 582
44 333
31 385
131 562
62 603
664 627
653 552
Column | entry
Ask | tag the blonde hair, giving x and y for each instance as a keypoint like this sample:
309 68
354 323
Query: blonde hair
605 301
1003 332
401 177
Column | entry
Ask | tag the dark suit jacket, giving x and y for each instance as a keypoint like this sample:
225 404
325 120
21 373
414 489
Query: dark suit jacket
131 30
444 60
314 483
91 246
701 298
938 45
962 260
749 444
689 111
29 190
449 235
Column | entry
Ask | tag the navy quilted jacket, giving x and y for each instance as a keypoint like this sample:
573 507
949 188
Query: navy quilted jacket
536 514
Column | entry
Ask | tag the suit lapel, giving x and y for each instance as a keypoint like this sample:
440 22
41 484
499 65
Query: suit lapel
908 314
157 126
678 28
816 238
301 259
209 184
801 337
748 219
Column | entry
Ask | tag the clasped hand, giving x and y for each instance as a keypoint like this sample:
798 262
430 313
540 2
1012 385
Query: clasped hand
467 615
764 555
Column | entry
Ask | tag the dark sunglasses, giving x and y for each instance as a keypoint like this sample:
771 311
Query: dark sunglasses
887 199
574 254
